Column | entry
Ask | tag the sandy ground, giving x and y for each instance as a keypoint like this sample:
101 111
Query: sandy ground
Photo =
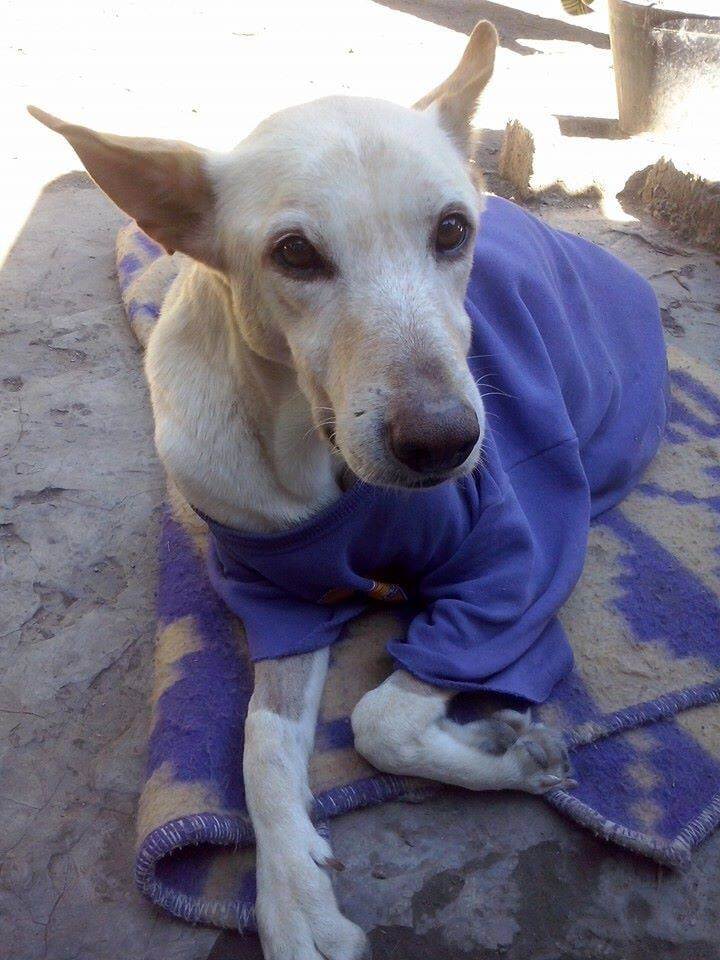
80 489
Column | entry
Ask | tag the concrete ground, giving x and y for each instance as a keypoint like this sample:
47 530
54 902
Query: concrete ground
80 489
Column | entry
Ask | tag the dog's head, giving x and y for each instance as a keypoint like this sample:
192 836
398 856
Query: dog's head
344 229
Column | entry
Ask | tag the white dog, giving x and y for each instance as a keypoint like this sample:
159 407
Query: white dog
305 306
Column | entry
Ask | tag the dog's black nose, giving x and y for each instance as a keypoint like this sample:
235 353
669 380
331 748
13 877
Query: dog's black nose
436 443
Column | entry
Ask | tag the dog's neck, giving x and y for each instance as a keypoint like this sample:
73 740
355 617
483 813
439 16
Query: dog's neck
246 451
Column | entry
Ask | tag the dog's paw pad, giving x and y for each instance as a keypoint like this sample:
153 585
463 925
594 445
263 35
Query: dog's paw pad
537 752
520 723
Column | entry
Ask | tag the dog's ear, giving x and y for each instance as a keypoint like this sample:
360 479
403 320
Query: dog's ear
456 98
162 184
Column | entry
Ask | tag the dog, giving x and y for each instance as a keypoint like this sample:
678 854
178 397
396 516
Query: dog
316 343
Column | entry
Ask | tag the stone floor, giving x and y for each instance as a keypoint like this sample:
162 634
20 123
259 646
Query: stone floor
80 489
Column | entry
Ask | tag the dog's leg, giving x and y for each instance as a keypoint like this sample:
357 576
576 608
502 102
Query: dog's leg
401 727
298 917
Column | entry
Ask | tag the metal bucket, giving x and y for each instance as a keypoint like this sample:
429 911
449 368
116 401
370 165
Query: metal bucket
667 66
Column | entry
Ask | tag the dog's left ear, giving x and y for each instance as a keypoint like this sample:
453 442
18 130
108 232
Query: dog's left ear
456 98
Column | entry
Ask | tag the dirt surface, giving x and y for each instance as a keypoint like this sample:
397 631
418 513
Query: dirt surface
80 492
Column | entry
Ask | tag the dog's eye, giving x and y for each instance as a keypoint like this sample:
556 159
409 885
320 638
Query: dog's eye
452 232
298 255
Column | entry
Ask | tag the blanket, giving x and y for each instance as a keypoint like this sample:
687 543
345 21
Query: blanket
640 712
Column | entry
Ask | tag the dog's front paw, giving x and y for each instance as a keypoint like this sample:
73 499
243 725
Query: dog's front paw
539 755
298 917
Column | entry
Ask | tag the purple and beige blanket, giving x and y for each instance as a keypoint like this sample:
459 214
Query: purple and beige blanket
641 712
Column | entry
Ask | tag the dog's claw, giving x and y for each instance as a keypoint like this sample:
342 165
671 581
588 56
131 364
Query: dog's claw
334 864
550 783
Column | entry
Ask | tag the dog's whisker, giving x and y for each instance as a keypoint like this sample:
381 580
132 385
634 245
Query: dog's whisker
318 426
497 393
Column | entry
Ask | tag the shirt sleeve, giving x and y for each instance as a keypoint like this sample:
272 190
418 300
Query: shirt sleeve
276 623
489 611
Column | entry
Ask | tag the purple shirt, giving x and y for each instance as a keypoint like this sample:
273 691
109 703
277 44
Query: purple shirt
572 339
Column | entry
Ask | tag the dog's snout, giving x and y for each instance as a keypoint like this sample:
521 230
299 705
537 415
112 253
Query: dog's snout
430 442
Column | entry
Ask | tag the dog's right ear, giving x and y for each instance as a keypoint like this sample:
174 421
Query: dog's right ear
163 184
456 98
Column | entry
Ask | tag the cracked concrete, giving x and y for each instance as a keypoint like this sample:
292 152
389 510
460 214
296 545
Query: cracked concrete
506 878
80 491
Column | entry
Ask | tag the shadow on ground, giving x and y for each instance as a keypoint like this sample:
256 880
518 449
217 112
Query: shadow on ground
512 24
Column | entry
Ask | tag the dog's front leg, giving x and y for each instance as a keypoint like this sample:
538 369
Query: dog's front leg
402 727
298 917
